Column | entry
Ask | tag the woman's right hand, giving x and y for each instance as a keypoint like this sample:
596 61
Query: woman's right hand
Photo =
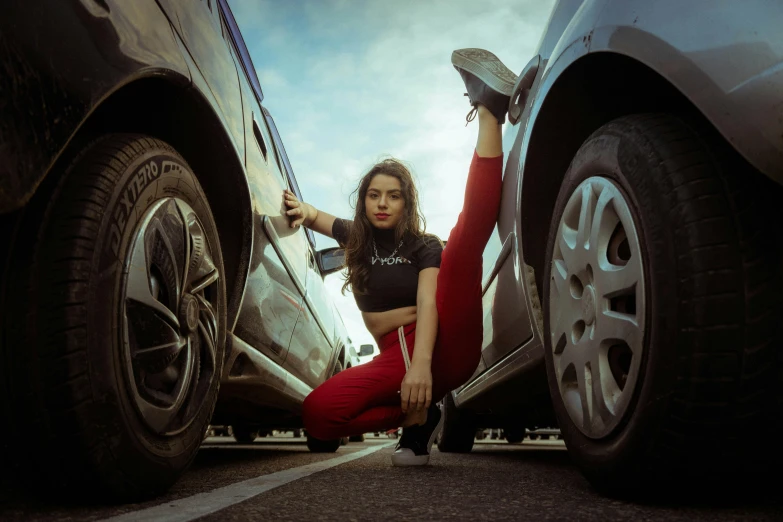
297 212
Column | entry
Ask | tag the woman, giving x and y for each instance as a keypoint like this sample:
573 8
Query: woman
420 301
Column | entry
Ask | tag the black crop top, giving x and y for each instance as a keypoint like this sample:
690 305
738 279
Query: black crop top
393 282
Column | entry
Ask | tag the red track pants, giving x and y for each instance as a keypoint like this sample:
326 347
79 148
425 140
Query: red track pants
365 398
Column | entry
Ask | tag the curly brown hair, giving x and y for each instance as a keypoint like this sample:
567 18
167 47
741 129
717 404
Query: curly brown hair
358 249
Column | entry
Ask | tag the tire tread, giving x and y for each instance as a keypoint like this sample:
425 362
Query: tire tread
50 381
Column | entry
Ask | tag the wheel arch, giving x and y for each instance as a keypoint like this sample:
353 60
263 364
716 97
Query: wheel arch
190 126
592 91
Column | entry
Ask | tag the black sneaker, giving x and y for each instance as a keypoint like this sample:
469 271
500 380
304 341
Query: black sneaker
487 80
416 441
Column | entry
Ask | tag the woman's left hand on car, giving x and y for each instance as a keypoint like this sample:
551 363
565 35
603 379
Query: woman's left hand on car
297 212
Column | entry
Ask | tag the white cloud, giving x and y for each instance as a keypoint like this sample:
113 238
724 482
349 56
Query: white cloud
272 78
348 81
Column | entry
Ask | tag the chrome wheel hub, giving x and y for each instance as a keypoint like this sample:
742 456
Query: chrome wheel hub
169 317
597 307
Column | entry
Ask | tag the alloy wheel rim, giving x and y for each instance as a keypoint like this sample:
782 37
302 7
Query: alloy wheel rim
169 317
597 307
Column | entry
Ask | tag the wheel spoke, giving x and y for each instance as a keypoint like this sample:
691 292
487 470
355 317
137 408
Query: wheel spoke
157 355
604 221
566 243
568 312
138 286
200 264
184 382
153 327
571 355
614 327
194 384
157 418
208 318
612 280
170 252
605 391
559 276
209 340
586 212
205 281
161 418
584 384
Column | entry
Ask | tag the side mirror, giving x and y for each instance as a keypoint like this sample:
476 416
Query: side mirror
366 349
330 260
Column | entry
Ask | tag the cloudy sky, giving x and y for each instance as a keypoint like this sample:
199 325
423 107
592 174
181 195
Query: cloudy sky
349 81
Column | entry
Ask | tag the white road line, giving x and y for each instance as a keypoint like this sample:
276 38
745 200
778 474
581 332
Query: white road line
191 508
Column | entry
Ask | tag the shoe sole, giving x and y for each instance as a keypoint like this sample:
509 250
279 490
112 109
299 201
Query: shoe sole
487 67
407 460
419 460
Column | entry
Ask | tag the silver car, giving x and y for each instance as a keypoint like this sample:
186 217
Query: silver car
633 290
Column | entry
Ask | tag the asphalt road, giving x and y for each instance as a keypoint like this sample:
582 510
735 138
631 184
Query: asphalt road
277 478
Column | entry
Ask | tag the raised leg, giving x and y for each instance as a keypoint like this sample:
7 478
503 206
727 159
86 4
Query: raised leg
459 280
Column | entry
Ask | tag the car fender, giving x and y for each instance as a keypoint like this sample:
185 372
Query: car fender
101 49
725 57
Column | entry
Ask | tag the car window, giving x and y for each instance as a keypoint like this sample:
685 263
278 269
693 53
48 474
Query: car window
215 12
266 145
241 49
286 166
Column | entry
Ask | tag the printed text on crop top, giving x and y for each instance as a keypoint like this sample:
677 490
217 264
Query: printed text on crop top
393 281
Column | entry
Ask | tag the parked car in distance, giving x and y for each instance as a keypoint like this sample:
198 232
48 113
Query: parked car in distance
633 291
151 284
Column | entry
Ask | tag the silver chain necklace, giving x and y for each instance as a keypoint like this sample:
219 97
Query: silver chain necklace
384 260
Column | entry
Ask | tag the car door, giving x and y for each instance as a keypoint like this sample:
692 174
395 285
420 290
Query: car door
505 314
312 345
507 323
277 279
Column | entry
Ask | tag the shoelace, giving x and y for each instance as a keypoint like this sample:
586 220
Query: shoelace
472 114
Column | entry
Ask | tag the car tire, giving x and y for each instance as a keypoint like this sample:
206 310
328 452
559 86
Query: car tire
356 438
459 428
688 300
104 329
322 446
327 446
244 434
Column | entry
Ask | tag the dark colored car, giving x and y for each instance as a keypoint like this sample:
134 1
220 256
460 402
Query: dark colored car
150 281
634 290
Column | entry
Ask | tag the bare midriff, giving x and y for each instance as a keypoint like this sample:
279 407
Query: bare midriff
381 323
